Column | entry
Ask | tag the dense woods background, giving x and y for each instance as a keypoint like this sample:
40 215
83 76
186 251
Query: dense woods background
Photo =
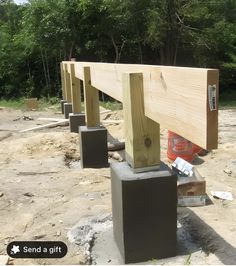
36 36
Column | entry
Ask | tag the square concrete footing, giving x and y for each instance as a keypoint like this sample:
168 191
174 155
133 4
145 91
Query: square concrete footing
93 147
144 210
76 120
62 106
67 109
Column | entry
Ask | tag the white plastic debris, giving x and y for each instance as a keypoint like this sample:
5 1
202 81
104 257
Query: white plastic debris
183 166
224 195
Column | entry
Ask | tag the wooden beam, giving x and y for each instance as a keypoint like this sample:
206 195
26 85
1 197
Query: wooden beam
91 100
62 81
175 97
142 135
67 83
75 88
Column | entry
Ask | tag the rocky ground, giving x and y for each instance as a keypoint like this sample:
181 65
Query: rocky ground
45 195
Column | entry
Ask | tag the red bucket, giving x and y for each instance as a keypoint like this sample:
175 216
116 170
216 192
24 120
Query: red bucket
196 148
179 147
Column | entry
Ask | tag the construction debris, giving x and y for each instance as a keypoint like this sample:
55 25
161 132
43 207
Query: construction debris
28 194
84 233
116 146
52 119
191 185
116 156
222 195
24 117
228 172
64 122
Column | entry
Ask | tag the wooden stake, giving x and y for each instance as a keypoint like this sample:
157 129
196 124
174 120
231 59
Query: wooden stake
91 100
75 91
62 81
142 134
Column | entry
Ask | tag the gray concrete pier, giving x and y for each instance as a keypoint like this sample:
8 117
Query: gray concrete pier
76 120
62 106
93 147
67 109
144 211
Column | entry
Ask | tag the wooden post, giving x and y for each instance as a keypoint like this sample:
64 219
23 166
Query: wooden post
142 134
67 84
62 81
91 100
75 91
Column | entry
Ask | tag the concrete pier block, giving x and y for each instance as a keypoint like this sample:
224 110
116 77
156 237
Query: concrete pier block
67 109
93 147
76 120
144 210
62 106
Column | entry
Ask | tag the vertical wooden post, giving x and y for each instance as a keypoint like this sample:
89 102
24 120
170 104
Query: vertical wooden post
67 84
75 91
91 100
64 78
142 134
62 81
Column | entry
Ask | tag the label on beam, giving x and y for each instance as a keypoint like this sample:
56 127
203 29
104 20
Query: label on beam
212 97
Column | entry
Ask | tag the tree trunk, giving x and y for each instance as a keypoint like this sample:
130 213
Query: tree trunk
140 52
116 49
71 50
48 74
44 68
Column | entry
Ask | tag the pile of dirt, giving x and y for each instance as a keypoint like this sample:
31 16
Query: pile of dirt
53 143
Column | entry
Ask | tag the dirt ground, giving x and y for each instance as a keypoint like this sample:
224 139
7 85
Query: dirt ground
45 195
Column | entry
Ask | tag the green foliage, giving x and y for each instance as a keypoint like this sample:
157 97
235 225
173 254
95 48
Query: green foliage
15 104
112 105
36 37
43 103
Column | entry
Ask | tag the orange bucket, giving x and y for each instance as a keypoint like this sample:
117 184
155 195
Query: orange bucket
196 148
179 147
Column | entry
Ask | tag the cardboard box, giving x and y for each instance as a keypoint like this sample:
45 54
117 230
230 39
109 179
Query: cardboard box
191 185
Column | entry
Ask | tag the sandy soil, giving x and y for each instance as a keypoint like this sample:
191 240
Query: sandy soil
45 195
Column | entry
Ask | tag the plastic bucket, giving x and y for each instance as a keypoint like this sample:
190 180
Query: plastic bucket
179 147
196 148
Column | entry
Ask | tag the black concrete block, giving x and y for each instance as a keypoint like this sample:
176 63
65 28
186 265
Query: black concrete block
62 106
144 209
76 120
67 109
93 147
